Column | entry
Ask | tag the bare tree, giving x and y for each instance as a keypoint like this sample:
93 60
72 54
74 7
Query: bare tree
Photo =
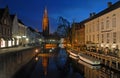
64 29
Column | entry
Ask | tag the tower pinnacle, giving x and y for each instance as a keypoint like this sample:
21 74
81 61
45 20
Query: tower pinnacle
45 23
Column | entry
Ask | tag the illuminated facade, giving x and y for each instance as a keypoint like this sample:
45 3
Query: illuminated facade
73 34
22 32
103 28
78 35
5 28
33 37
45 23
80 29
15 33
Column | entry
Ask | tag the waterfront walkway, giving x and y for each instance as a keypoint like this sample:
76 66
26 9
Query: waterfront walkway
14 49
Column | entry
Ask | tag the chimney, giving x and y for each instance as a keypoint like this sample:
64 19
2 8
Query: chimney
90 14
93 13
109 4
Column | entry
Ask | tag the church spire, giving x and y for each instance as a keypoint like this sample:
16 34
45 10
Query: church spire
45 12
45 23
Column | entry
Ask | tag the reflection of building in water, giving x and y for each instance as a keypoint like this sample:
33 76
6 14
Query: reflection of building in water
108 73
45 62
101 73
90 73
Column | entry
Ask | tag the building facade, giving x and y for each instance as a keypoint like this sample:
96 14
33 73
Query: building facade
15 30
78 35
81 38
73 33
103 29
22 32
33 37
5 28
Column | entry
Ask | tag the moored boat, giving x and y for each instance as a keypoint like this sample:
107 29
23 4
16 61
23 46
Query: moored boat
88 59
88 65
73 55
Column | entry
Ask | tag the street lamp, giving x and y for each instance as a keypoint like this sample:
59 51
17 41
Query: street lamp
36 50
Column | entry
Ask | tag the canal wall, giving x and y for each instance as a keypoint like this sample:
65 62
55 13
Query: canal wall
12 61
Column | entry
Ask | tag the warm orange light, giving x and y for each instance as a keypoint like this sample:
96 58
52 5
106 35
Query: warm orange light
36 58
36 50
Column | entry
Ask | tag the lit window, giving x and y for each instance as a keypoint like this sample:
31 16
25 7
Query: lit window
102 25
93 38
113 22
93 27
114 37
102 38
89 37
107 24
98 26
98 37
90 28
108 35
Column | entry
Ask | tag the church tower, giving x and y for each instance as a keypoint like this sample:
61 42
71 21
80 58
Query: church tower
45 23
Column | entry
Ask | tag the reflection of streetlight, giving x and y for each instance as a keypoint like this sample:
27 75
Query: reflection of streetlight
18 37
24 36
36 58
36 50
40 40
27 39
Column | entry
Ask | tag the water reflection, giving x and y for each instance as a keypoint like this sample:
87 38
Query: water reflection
104 72
45 62
36 58
54 65
90 71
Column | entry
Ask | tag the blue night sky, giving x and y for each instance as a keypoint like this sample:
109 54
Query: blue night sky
31 11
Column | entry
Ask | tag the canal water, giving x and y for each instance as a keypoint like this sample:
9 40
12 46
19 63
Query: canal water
55 63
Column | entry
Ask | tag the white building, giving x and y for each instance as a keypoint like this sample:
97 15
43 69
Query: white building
22 30
15 30
30 35
103 29
34 37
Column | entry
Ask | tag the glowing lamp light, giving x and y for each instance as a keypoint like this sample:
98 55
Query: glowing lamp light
107 45
40 39
53 40
102 45
52 47
18 36
24 36
36 58
50 50
27 39
36 50
114 46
